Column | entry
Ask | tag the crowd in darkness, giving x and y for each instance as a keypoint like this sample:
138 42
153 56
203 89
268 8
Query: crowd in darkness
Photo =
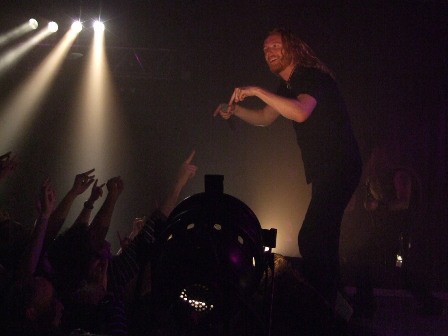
59 278
69 282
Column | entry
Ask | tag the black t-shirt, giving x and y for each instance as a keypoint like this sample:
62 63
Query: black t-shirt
326 138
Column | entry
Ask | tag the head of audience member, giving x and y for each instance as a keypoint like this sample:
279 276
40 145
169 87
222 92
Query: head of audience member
33 308
79 264
69 255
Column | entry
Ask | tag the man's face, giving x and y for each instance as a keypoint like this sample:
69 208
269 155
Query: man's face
275 54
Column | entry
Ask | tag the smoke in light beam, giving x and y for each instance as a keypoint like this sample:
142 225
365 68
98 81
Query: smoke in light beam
13 56
18 32
16 115
98 127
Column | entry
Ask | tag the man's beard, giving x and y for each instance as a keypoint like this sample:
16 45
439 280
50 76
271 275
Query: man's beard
280 65
276 68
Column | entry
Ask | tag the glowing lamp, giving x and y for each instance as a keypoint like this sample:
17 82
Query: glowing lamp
76 26
98 26
33 23
53 27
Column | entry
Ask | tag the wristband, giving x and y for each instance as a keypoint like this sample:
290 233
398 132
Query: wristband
88 205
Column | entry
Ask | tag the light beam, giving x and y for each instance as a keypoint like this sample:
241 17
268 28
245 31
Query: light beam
18 32
16 115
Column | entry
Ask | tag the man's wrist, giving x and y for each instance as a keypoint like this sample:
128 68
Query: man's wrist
88 205
234 109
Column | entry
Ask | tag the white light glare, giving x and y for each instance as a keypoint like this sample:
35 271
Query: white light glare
196 304
53 27
399 261
77 26
33 23
98 26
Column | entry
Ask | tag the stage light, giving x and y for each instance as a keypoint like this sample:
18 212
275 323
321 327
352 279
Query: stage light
33 23
98 26
53 27
211 258
17 32
76 26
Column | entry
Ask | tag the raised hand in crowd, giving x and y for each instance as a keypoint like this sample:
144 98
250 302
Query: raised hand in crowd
82 182
186 171
47 199
57 219
137 225
45 205
84 216
100 224
97 192
115 187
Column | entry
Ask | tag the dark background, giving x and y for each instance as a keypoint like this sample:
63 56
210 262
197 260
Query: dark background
390 59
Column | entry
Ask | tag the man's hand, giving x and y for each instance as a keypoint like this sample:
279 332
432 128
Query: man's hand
82 182
97 192
225 111
115 186
187 171
241 93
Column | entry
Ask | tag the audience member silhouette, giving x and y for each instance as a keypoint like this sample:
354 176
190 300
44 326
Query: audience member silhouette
91 280
75 267
32 304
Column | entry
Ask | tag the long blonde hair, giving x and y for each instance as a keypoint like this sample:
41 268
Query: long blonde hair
300 51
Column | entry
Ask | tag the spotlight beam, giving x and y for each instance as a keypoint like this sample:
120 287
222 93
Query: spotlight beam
11 57
97 123
16 114
17 32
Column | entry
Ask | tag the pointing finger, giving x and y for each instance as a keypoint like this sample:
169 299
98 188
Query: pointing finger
190 157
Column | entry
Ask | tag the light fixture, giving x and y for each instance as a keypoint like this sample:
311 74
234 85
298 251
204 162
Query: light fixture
98 26
76 26
53 27
33 23
210 259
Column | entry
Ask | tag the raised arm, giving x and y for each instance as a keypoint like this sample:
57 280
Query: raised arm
137 225
256 117
186 171
57 218
297 109
100 224
84 216
130 258
45 206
